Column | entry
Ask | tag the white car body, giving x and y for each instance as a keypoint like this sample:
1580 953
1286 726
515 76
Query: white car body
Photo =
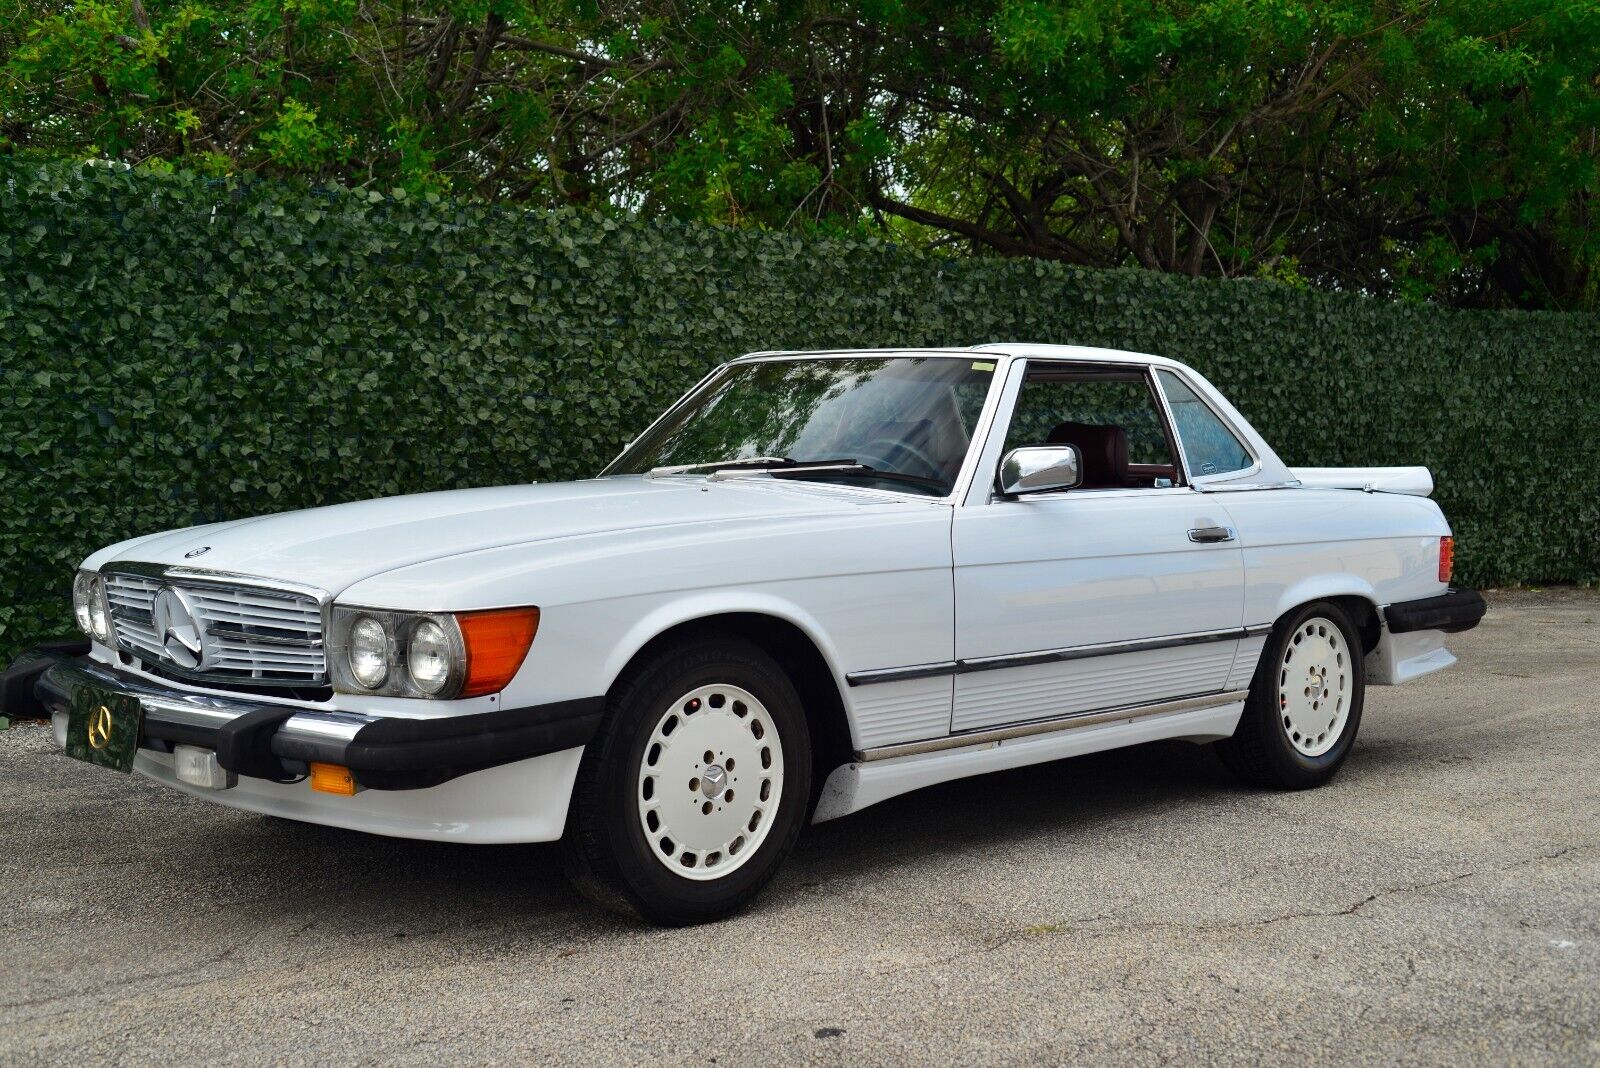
926 612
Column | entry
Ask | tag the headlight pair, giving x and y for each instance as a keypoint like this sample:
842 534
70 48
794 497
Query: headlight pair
438 655
89 606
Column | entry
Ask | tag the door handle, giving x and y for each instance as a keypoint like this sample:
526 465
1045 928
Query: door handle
1206 535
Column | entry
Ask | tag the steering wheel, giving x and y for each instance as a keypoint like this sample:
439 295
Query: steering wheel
893 454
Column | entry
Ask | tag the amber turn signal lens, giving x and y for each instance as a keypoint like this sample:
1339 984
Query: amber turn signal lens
496 643
1447 558
333 779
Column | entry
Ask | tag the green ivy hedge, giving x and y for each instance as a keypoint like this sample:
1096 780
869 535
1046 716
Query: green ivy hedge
176 351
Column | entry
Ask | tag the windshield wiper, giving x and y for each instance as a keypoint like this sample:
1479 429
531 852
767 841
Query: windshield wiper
788 463
778 466
851 467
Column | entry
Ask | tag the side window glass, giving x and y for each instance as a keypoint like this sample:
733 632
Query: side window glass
1109 414
1208 444
1042 406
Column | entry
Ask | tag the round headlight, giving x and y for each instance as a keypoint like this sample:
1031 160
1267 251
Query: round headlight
81 585
369 652
428 656
99 625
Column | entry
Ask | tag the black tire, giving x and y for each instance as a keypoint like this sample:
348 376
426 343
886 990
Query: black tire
609 858
1261 751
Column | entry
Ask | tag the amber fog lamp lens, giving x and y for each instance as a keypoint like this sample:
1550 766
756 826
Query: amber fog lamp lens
1447 558
333 779
496 641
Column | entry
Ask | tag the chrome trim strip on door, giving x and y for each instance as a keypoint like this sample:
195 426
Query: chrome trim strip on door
901 674
1053 725
1048 656
1084 652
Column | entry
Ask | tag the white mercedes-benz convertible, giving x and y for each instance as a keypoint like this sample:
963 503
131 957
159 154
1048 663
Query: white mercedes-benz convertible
817 581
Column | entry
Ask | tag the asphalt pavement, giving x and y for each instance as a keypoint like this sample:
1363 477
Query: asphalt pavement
1438 903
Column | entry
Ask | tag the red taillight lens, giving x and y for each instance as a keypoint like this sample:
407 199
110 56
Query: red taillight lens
496 642
1447 558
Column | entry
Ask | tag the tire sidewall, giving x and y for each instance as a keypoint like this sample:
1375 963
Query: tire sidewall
1264 697
651 887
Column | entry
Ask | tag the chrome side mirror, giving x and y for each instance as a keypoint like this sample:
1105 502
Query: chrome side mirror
1039 469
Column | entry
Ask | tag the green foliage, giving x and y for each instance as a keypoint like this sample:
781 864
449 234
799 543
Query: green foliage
1428 150
177 350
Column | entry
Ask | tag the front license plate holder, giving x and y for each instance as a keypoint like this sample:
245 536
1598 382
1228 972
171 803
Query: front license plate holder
103 728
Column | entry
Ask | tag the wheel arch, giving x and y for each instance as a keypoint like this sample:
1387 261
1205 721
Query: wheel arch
791 643
1350 592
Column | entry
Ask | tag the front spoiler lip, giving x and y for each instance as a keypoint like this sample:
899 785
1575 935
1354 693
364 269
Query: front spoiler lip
277 741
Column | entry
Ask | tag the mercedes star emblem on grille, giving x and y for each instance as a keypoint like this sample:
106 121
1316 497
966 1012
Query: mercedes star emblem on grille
178 628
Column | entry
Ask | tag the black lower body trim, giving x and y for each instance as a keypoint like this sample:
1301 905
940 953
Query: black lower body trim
277 742
1451 612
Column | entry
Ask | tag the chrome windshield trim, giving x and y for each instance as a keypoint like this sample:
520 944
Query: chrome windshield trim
1049 656
1054 724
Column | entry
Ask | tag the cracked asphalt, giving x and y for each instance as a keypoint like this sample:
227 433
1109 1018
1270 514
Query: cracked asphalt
1439 902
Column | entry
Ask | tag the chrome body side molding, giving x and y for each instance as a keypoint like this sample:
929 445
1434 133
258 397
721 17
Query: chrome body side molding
1051 656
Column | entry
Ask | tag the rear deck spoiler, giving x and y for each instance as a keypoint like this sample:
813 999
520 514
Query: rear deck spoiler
1416 481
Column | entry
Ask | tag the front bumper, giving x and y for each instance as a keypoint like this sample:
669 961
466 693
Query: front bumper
278 742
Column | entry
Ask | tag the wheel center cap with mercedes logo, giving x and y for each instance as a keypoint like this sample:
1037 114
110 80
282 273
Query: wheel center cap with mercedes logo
178 628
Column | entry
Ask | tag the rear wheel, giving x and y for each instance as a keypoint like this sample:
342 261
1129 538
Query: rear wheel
1304 708
694 790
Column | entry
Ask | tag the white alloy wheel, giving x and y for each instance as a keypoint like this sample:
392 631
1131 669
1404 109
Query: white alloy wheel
1315 681
710 782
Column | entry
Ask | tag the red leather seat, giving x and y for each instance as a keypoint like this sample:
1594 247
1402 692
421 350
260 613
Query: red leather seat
1104 450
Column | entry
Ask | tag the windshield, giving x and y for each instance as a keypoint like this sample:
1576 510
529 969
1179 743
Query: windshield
904 422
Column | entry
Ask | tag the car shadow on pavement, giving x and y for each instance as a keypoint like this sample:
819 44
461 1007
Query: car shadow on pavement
511 886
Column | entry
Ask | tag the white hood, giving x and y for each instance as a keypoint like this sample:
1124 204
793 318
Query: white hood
334 547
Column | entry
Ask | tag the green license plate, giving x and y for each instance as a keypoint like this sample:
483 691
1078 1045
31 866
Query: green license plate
103 728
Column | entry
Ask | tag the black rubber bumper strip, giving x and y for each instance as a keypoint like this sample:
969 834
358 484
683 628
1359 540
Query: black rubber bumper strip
409 754
480 740
1451 612
489 737
392 753
17 697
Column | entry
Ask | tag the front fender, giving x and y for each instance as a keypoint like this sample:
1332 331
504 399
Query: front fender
700 605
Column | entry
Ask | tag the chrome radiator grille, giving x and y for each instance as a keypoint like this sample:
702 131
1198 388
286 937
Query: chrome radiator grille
246 634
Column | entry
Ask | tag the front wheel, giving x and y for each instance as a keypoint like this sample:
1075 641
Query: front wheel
1304 708
695 788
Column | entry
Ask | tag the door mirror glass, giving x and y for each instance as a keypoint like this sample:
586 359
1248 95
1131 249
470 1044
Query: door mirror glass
1039 469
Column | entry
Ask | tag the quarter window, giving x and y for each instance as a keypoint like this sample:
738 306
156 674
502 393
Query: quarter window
1208 445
